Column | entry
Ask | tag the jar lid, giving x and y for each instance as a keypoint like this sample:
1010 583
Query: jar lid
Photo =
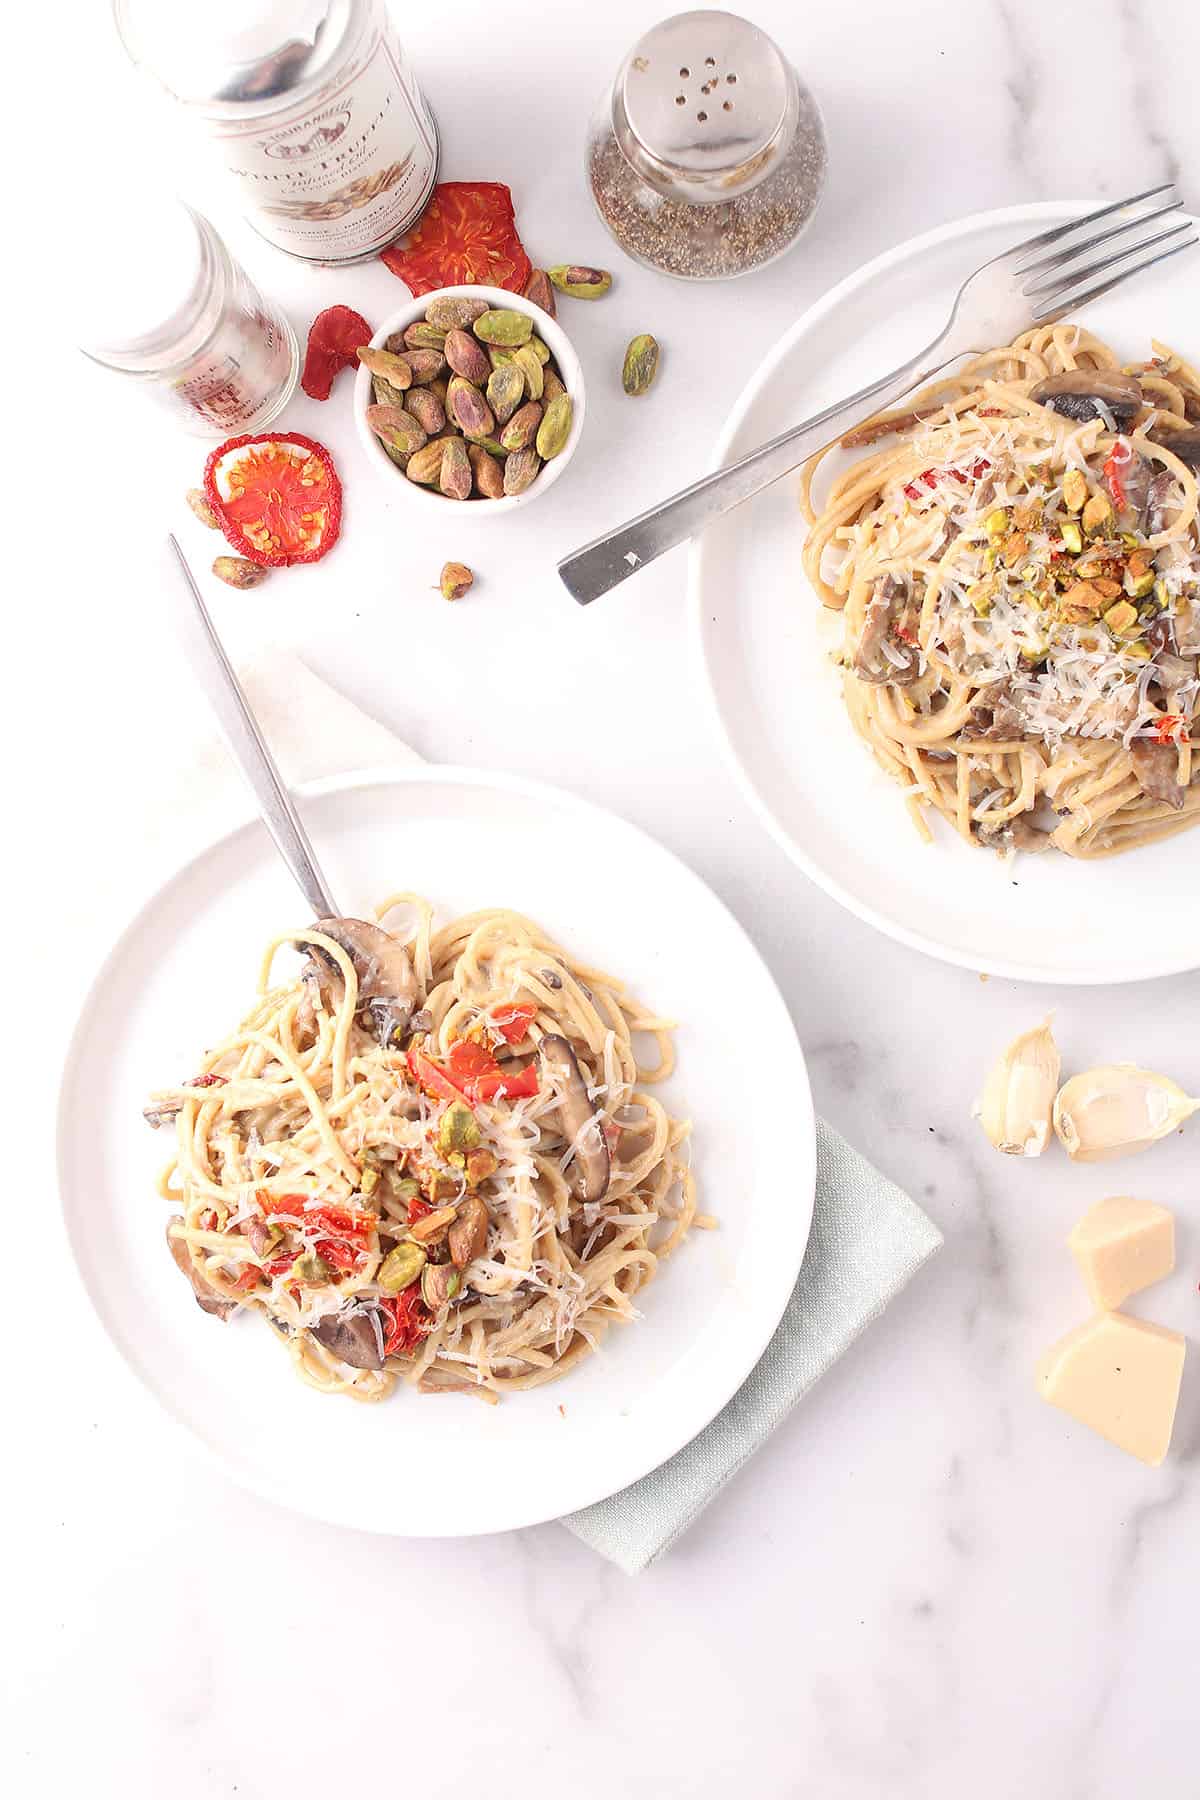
234 56
704 106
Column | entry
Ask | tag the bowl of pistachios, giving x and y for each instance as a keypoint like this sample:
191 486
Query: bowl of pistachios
470 394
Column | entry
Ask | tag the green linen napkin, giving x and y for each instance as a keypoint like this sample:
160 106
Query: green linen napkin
867 1242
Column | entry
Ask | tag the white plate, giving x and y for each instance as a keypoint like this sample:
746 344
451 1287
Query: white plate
778 703
416 1465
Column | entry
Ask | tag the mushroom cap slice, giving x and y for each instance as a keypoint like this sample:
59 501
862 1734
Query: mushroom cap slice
208 1299
1075 392
1183 444
387 985
590 1168
1157 769
353 1337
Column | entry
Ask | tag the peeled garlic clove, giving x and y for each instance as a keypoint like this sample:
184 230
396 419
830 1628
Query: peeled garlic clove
1113 1111
1015 1108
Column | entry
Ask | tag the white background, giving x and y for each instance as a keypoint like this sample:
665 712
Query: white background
928 1583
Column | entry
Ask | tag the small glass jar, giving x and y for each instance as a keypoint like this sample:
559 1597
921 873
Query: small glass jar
174 310
707 158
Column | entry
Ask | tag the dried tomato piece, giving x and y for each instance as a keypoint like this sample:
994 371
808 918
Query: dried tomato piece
333 339
467 234
278 497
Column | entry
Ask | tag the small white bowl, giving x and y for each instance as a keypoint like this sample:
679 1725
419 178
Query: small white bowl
556 341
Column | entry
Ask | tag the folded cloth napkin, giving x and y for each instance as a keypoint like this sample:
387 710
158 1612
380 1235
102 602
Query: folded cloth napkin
867 1240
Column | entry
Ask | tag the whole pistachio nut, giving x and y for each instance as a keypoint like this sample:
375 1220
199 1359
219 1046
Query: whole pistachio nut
493 446
522 428
426 409
467 356
426 365
540 350
399 457
539 290
451 310
501 325
421 335
400 1267
520 471
437 387
439 1284
455 579
396 426
527 361
498 356
555 428
552 385
198 501
467 408
505 392
454 477
425 465
397 370
387 395
580 283
640 366
488 473
239 572
396 343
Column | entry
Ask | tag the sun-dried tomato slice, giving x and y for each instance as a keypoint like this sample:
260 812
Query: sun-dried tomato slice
333 338
467 233
277 496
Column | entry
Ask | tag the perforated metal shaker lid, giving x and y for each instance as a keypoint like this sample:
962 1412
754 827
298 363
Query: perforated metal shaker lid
704 106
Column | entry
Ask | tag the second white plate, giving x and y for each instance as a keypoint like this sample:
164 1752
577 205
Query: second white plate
777 699
413 1465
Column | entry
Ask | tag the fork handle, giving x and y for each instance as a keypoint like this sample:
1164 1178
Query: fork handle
613 558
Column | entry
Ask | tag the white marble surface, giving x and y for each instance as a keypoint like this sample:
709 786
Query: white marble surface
928 1584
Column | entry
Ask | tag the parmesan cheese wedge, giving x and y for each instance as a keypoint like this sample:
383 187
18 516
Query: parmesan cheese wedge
1121 1246
1121 1377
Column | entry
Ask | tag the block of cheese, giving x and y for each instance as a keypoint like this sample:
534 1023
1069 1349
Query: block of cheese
1121 1246
1121 1377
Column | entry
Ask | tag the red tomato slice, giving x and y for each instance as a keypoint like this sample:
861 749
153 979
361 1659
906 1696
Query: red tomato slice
278 498
467 234
512 1022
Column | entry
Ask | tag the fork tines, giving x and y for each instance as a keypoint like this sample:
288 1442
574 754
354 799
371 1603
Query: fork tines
1065 281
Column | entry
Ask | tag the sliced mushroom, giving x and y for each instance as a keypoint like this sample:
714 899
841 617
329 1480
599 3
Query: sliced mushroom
164 1113
1183 444
1158 502
354 1337
440 1282
882 655
1157 769
1017 834
589 1169
997 715
387 986
1136 476
208 1298
1074 394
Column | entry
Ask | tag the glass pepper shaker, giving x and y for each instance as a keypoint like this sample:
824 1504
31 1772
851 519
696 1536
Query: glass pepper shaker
173 309
707 158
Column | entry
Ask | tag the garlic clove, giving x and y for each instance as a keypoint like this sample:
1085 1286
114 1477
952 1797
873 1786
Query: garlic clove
1018 1095
1118 1109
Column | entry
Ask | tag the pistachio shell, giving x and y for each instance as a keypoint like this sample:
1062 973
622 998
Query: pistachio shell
1018 1096
502 325
1116 1110
555 428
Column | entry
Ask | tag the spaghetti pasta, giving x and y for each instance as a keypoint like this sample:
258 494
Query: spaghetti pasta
433 1157
1017 562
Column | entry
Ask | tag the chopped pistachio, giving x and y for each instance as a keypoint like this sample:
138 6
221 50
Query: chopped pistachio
980 596
311 1268
1072 537
1015 546
1027 516
1120 617
1075 489
1139 584
996 523
1136 648
369 1181
400 1267
1129 540
1097 515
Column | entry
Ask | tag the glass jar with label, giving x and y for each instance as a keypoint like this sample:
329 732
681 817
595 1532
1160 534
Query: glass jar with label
707 156
174 310
312 106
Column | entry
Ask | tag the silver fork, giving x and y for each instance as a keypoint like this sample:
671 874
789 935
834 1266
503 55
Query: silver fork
1010 294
